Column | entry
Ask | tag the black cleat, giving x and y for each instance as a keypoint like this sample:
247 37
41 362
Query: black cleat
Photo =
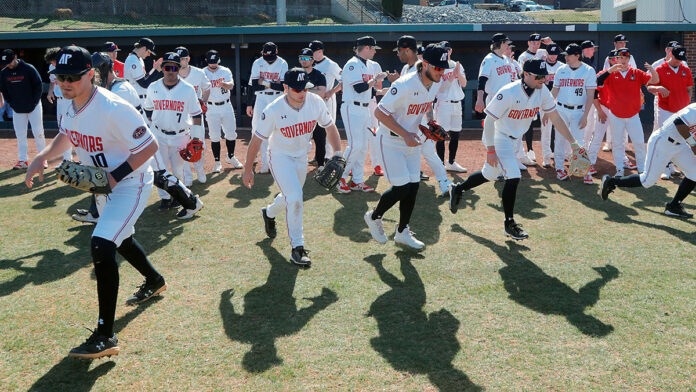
165 205
96 346
81 211
455 195
299 257
514 230
147 291
607 186
424 177
677 210
268 224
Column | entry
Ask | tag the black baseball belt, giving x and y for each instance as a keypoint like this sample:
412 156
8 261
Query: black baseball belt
571 107
218 103
357 103
268 92
171 133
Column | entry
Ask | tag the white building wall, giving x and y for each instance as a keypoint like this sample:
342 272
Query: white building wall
662 11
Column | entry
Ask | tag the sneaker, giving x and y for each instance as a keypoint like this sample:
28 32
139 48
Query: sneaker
515 231
444 187
677 210
531 155
146 291
268 224
342 186
406 238
588 179
200 175
592 171
455 195
376 227
665 175
379 171
629 165
45 165
424 177
546 162
234 162
86 218
20 165
607 187
607 147
521 165
455 167
299 257
561 175
675 171
218 167
96 346
82 211
264 169
165 205
361 187
527 162
187 214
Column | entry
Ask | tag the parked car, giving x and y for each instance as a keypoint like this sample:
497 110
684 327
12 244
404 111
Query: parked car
522 5
453 3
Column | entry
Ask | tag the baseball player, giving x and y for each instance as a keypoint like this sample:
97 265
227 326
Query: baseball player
21 87
318 81
173 108
496 71
358 81
620 42
534 50
266 79
372 144
547 134
220 114
112 50
573 88
106 132
672 142
624 83
448 110
399 113
287 123
332 72
134 67
588 57
601 118
54 95
509 114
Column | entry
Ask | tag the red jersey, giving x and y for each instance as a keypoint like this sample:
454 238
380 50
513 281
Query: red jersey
676 83
625 93
602 93
118 68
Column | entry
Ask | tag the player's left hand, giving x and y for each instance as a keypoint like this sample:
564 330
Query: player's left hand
392 76
583 122
158 64
248 176
412 139
35 167
492 159
544 119
648 66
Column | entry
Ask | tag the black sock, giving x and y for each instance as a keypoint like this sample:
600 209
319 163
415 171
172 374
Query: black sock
553 138
93 207
685 187
529 137
215 146
408 202
474 180
631 181
453 145
440 149
230 147
509 195
106 270
131 250
388 199
319 136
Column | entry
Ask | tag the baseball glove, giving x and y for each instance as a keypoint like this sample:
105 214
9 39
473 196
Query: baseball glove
579 163
434 131
85 178
204 106
329 176
193 151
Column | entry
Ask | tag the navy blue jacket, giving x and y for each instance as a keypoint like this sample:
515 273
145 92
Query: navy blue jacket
21 87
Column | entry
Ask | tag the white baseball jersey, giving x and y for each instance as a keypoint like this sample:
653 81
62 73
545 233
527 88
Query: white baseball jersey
331 71
172 108
527 55
355 72
450 90
134 70
408 100
274 72
514 110
407 69
499 71
221 74
198 79
688 115
289 130
552 69
632 62
660 62
126 91
572 84
53 79
106 131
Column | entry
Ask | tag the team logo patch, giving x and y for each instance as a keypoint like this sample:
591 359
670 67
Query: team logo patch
133 66
633 77
499 97
351 68
139 132
393 91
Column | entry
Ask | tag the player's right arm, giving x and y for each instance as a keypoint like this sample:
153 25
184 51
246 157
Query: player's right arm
51 152
484 73
390 104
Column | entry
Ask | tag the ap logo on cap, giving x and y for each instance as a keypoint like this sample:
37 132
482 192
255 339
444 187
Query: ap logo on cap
300 77
443 57
63 58
171 56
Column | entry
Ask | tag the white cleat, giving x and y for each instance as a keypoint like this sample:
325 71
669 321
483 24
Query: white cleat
187 214
607 147
264 170
444 187
526 161
234 162
86 218
521 165
531 155
200 175
406 238
376 227
455 167
218 167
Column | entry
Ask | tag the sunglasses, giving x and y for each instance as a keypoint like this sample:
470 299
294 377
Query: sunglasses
305 58
69 78
538 77
299 91
437 69
171 68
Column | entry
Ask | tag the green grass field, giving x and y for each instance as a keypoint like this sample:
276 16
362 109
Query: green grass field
600 298
565 16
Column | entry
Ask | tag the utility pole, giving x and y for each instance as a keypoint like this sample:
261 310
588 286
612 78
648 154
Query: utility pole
281 12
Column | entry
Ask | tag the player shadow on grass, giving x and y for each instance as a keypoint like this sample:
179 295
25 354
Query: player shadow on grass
270 312
260 190
409 339
527 201
531 287
18 188
203 189
74 375
4 175
348 218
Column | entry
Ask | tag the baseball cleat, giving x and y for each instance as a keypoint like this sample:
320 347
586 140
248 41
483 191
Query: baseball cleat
268 224
455 195
45 164
218 167
20 165
607 186
455 167
561 175
86 218
376 227
361 187
444 187
264 169
677 210
406 238
546 162
629 165
343 187
424 177
588 179
313 162
146 291
525 160
521 165
299 257
515 231
234 162
187 214
532 156
82 211
379 171
664 176
592 171
96 346
607 147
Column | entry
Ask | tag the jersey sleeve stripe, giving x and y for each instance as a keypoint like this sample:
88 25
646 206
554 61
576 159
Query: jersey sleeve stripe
384 110
551 109
142 145
330 123
491 114
260 136
197 113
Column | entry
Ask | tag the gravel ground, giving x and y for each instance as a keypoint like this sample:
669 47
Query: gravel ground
461 14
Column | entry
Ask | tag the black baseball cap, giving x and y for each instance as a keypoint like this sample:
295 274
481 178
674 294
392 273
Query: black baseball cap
171 57
146 42
101 59
406 42
297 78
446 45
212 57
436 55
421 49
620 37
7 56
366 41
673 44
623 52
573 49
553 49
109 46
182 51
536 67
612 53
269 49
72 60
306 52
588 44
679 53
316 45
500 37
534 37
